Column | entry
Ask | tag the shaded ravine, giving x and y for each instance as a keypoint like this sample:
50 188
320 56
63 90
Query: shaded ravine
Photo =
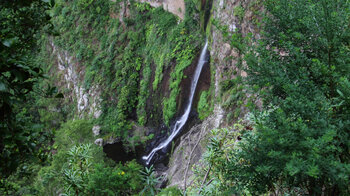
176 129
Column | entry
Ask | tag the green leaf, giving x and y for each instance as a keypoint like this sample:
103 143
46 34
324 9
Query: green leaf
3 87
292 169
340 93
313 171
7 42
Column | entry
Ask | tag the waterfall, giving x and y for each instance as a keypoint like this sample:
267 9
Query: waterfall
182 121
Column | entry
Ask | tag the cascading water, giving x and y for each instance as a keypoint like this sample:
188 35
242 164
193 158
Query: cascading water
182 121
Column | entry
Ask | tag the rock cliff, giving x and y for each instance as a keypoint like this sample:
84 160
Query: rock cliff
225 20
88 102
176 7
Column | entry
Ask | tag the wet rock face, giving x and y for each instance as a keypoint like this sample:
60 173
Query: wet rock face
185 85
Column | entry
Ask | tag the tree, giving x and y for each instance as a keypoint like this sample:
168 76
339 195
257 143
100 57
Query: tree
20 23
301 140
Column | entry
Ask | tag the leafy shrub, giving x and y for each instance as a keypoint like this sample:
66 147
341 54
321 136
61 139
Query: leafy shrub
77 170
120 180
210 173
150 180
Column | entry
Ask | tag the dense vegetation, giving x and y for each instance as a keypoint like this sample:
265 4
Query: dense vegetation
127 52
296 143
20 132
124 55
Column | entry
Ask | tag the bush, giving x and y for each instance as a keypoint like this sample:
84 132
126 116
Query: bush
120 180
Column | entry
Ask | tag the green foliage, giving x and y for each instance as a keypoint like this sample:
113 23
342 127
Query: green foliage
82 169
77 170
184 53
150 180
119 56
301 141
142 7
203 107
159 72
125 55
239 12
81 177
70 163
143 95
210 173
72 132
49 180
170 191
51 112
138 138
232 96
20 182
120 180
20 23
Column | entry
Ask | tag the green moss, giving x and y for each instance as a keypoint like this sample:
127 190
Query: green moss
143 95
203 107
184 53
208 30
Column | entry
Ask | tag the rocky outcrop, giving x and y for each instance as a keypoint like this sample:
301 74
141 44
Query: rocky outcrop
96 130
176 7
239 18
87 101
190 150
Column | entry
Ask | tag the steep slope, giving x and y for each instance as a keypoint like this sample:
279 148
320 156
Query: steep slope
124 64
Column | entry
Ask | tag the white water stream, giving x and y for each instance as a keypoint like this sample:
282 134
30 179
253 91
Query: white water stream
182 121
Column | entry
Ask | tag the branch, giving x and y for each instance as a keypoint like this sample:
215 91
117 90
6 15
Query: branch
190 158
205 178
